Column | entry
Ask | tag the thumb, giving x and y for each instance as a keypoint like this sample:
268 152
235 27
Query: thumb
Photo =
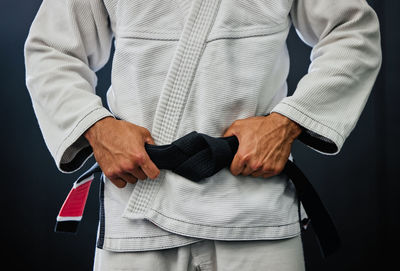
149 140
228 132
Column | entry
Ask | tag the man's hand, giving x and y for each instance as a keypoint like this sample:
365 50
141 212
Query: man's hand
264 144
118 147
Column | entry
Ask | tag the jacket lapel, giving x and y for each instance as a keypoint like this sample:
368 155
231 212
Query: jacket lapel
175 91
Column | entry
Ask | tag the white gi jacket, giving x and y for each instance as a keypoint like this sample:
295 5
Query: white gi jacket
185 65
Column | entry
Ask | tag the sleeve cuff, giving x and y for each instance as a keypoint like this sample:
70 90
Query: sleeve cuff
315 135
74 150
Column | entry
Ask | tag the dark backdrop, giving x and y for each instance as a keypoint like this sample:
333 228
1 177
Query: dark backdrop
359 185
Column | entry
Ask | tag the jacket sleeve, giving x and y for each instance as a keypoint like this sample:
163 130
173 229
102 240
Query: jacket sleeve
345 60
68 41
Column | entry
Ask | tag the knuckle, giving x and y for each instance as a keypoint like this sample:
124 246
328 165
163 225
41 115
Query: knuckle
127 165
145 132
139 158
129 168
110 173
255 165
243 157
118 170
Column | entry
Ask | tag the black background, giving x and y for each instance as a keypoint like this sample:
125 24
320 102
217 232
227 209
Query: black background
359 185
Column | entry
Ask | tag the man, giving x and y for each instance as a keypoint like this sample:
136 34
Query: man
216 67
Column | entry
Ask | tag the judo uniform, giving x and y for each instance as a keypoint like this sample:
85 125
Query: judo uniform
187 65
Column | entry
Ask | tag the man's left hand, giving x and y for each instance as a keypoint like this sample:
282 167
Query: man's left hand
264 144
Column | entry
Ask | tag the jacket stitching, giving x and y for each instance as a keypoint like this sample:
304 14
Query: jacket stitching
242 37
214 226
179 70
73 129
131 35
183 243
141 237
314 120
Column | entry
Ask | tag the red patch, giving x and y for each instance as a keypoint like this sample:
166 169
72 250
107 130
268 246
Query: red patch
75 202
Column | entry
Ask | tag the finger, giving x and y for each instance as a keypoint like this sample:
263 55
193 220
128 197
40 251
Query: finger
247 170
149 168
262 171
281 165
118 182
138 173
258 173
276 170
228 132
268 175
128 178
232 130
237 165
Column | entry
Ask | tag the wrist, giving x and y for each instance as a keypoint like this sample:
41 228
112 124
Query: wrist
294 129
91 133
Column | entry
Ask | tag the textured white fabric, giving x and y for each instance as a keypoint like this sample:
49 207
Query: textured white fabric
210 255
198 65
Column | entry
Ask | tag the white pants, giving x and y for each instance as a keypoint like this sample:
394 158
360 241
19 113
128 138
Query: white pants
274 255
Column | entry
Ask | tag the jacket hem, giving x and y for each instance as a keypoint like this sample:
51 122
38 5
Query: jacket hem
140 243
75 149
223 233
179 235
316 135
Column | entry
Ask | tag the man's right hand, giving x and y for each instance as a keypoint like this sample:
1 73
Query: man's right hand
118 147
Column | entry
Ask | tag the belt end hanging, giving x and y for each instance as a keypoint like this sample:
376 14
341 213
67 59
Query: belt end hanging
72 210
67 226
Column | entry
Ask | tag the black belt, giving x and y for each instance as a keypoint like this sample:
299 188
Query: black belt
196 156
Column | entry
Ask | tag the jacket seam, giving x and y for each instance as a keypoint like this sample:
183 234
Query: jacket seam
271 30
208 41
256 27
243 32
149 38
242 37
151 32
